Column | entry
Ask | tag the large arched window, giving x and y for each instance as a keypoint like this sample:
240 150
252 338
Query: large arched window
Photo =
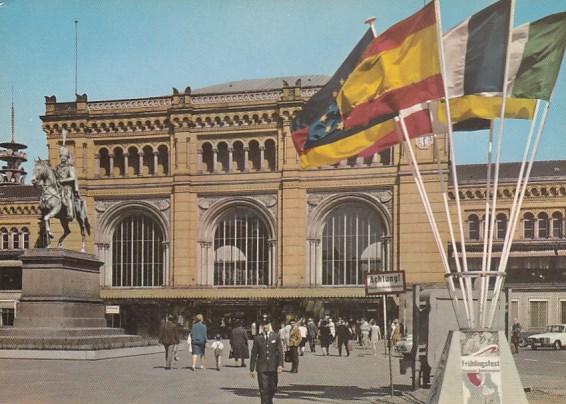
15 235
137 253
241 251
25 237
351 245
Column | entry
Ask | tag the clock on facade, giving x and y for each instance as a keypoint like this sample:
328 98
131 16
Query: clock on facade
424 142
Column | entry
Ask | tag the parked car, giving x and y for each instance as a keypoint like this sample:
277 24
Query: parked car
405 345
553 336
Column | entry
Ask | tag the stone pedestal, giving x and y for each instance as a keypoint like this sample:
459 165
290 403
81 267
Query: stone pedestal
60 306
477 366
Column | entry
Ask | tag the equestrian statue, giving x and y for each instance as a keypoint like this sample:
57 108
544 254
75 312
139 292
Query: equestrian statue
60 197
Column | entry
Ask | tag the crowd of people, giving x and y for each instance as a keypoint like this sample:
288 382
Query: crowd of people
272 348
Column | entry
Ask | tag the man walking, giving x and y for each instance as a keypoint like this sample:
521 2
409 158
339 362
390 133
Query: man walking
169 337
312 332
294 343
267 359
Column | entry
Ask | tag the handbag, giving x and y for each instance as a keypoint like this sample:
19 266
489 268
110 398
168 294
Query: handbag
231 354
189 341
288 357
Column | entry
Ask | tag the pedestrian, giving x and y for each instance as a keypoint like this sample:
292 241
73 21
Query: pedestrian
294 343
516 331
239 344
395 333
217 346
332 328
304 332
324 336
343 335
267 359
375 335
168 337
312 331
198 340
365 329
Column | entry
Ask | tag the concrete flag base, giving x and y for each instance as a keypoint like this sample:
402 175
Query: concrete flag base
477 366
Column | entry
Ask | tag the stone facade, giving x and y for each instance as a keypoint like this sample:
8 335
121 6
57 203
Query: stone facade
198 178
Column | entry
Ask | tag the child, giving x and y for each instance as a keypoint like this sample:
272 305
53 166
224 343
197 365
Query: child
218 346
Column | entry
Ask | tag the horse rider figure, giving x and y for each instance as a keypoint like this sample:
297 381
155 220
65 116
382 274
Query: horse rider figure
69 185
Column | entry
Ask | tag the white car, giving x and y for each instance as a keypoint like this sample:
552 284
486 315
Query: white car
553 336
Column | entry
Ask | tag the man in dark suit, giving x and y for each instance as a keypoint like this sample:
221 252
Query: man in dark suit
169 337
267 359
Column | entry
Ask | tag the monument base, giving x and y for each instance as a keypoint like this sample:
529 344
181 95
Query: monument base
60 306
477 366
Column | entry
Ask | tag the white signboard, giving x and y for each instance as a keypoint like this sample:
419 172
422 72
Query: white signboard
382 283
112 309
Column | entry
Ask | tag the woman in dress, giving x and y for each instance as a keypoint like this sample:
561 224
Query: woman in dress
325 337
198 340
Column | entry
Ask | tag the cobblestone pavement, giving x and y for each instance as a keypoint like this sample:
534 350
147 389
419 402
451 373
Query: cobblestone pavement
361 378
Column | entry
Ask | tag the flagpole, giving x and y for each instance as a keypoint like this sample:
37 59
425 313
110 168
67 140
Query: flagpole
467 293
503 262
402 132
484 283
499 145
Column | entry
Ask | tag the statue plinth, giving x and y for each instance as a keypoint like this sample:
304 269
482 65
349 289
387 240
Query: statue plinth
60 306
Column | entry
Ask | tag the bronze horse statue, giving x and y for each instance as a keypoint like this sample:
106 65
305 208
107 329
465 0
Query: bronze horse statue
51 204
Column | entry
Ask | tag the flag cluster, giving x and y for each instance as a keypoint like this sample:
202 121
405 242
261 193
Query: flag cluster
399 74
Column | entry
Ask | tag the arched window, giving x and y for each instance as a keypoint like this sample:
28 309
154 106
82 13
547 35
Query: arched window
557 225
137 253
207 158
25 238
223 157
542 221
529 226
239 156
133 162
15 236
270 154
351 245
254 156
500 226
5 238
118 169
241 251
163 160
104 163
148 167
473 227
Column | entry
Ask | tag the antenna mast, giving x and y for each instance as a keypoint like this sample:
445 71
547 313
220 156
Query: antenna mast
76 56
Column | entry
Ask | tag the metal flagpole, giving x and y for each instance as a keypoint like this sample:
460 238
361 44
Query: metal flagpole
484 283
499 145
426 203
467 292
76 56
504 258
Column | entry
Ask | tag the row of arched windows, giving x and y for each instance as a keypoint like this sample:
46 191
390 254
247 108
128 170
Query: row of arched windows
242 250
541 226
238 156
14 238
133 161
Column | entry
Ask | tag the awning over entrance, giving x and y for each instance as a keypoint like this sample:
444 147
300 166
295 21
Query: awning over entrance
234 293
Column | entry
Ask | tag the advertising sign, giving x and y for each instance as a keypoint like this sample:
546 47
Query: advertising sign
383 283
112 309
481 367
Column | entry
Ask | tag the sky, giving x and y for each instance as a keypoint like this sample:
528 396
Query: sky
136 49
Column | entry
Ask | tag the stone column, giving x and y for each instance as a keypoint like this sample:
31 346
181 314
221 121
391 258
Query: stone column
312 274
215 160
261 157
126 155
273 272
140 169
230 158
97 165
155 155
111 168
199 162
246 154
84 158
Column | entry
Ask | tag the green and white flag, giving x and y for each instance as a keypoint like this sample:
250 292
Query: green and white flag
537 50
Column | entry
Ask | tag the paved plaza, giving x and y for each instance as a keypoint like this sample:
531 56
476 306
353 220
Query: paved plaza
361 378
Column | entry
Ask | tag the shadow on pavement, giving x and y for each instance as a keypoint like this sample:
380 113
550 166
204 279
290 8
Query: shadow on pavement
324 393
